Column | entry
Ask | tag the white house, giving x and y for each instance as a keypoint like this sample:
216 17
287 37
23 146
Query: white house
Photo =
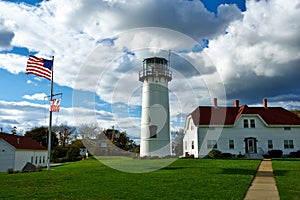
251 131
16 151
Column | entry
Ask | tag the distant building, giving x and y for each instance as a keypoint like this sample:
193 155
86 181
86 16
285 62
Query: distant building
251 131
16 151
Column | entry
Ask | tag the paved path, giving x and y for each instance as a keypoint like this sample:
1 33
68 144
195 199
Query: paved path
263 185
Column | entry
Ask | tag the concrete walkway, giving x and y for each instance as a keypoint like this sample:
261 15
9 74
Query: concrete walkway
263 185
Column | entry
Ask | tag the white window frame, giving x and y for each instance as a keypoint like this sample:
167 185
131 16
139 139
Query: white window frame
231 144
288 144
270 144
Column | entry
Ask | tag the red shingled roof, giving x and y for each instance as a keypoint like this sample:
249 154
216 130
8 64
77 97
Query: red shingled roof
21 142
207 115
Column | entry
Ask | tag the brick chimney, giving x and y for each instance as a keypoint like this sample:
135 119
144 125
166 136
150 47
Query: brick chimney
236 103
265 103
215 102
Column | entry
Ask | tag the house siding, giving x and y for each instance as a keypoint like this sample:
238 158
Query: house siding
24 156
7 156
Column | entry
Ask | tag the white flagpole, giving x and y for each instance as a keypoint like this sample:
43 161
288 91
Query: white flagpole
50 118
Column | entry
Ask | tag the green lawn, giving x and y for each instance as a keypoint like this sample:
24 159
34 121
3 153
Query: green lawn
90 179
287 175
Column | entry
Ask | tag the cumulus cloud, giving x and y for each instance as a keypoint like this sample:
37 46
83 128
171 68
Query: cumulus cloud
260 52
59 28
37 96
6 36
13 63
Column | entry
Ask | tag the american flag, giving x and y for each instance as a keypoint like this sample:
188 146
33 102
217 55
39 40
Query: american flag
39 67
54 105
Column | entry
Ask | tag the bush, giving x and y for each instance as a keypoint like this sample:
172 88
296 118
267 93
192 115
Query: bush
58 152
39 168
10 171
189 155
240 155
145 158
215 154
275 153
227 155
295 154
73 153
266 156
154 158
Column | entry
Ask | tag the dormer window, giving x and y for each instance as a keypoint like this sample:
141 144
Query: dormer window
252 123
249 123
246 125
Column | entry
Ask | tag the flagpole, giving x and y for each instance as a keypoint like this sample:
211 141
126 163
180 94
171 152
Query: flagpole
50 118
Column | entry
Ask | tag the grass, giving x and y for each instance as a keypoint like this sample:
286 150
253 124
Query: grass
287 176
90 179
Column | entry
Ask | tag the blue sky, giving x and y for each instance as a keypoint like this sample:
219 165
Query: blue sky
229 49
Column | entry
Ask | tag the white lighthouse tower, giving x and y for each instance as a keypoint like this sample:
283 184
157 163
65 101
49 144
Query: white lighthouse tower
155 124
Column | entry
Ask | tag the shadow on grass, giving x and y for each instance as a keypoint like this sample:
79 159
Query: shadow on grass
238 171
174 168
286 159
280 172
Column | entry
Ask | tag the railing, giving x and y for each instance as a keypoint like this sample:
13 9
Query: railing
155 72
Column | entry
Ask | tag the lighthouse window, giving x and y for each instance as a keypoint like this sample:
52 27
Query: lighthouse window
153 131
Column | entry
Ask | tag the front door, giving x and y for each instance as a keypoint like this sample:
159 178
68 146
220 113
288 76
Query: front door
250 144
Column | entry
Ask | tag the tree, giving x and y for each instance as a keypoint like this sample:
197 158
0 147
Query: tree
40 134
77 143
73 153
89 130
14 130
178 142
64 133
120 139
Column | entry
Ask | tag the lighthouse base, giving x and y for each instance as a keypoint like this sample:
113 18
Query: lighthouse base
160 148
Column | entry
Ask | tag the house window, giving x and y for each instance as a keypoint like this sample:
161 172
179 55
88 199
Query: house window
192 144
231 144
252 123
31 159
40 159
270 144
246 125
288 144
43 159
212 144
287 128
36 160
248 122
